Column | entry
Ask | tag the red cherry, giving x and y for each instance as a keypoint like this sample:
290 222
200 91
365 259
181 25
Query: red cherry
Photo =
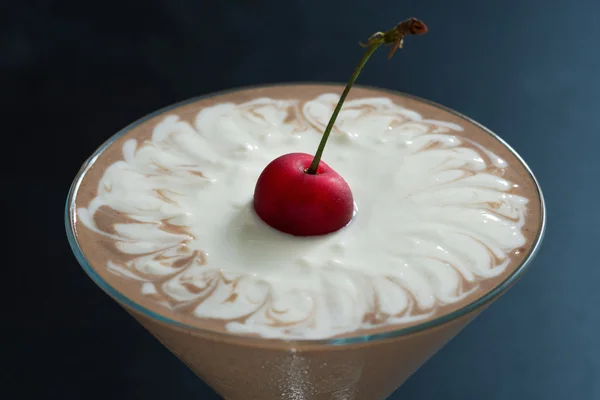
293 201
301 195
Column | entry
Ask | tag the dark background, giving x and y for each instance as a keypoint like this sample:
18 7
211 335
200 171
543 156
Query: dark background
72 73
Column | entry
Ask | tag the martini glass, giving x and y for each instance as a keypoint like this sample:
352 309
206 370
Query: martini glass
369 367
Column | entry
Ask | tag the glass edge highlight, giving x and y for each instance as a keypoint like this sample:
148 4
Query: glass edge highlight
70 217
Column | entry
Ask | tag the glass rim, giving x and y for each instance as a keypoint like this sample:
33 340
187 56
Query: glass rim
351 339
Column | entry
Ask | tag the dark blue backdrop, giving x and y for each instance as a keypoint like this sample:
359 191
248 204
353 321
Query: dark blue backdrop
74 72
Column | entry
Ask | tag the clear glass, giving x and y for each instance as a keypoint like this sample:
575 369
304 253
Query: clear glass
148 317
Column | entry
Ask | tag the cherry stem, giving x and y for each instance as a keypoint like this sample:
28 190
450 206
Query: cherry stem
394 37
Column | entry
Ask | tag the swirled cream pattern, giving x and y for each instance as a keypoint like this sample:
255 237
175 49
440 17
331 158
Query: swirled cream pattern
434 218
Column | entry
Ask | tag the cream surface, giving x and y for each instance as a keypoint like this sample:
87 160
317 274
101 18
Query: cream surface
434 218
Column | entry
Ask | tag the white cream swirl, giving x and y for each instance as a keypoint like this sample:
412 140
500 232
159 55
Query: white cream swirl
432 219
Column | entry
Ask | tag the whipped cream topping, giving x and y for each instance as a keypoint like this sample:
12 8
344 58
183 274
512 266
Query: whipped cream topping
435 217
